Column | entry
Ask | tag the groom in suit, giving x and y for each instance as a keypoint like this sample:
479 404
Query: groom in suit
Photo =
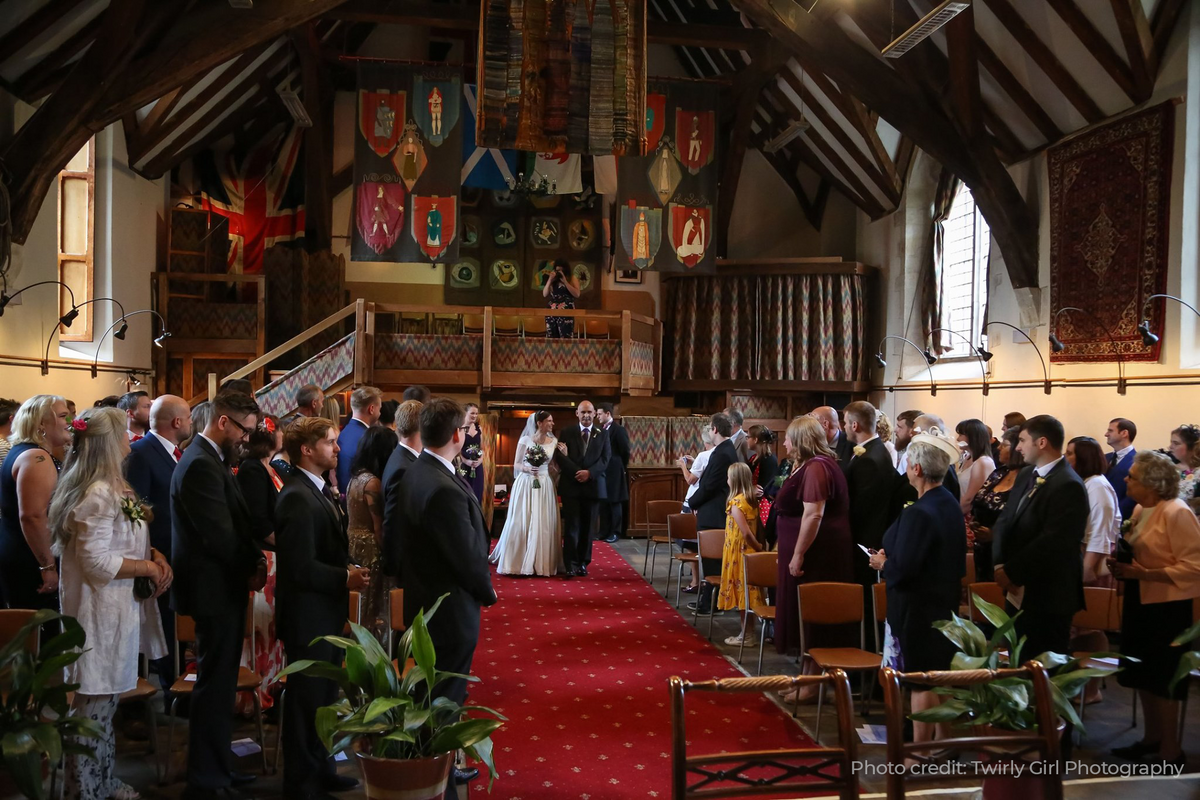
408 428
312 600
1036 541
583 454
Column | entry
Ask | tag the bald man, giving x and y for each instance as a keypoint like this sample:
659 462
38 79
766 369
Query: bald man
149 468
834 436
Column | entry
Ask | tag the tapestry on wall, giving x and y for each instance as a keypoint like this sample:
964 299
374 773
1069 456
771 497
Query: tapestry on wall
408 158
667 199
1109 214
562 77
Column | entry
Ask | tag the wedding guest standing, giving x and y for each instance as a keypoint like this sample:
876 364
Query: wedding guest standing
990 501
408 428
1119 436
364 502
1161 584
472 457
561 290
905 423
582 456
28 574
136 406
1086 457
738 438
99 530
708 502
616 477
365 403
314 583
977 463
1185 447
310 401
835 437
217 563
8 410
883 429
764 467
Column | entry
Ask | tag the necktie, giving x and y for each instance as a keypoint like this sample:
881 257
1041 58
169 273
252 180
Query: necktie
327 490
178 454
586 431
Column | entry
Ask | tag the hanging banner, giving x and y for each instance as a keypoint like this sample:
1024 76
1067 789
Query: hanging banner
408 162
484 167
667 199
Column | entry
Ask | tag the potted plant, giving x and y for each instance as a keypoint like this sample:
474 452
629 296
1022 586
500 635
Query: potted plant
1191 659
404 738
34 725
1005 704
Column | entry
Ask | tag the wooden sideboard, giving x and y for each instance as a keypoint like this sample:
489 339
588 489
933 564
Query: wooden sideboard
651 483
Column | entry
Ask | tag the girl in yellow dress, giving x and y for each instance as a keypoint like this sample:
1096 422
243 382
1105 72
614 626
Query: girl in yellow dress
741 523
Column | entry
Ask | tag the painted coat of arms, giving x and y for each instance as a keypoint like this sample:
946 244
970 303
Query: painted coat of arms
435 106
434 224
690 232
695 131
641 233
380 214
380 118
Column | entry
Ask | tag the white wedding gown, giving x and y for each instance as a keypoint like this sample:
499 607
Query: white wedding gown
531 543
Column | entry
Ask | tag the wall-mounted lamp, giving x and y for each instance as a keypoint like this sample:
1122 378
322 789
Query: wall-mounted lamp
930 360
1057 346
978 352
65 320
1045 372
1148 337
69 317
124 327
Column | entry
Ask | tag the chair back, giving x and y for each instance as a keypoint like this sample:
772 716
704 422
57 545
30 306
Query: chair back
657 511
473 324
596 328
450 325
185 631
506 325
11 622
1100 609
830 603
396 603
879 592
989 592
969 575
681 526
712 543
533 325
355 608
812 770
762 569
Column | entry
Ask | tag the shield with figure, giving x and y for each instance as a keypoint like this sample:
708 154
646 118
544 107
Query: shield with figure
695 136
434 224
664 172
435 107
690 232
379 214
641 233
409 158
380 119
656 120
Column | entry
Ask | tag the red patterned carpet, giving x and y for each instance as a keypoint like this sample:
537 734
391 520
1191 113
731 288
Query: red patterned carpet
580 669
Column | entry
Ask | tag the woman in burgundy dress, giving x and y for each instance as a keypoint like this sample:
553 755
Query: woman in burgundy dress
813 525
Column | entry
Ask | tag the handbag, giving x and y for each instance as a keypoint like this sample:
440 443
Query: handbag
143 588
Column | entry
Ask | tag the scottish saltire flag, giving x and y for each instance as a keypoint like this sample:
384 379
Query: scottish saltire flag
483 167
261 194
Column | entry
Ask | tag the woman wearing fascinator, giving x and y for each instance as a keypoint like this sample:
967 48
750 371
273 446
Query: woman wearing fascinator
1185 448
530 543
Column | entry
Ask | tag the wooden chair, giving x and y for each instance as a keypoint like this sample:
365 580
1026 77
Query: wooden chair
990 592
879 601
596 329
1101 612
506 325
1043 745
827 603
413 322
682 558
680 528
472 324
712 547
657 512
795 771
142 694
450 324
761 571
533 325
248 681
396 601
11 622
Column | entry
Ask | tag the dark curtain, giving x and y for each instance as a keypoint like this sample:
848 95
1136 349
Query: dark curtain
932 301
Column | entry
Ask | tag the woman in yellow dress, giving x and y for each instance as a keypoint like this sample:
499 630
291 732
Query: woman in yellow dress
741 523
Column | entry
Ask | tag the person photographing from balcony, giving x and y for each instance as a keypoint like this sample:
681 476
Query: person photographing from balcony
561 289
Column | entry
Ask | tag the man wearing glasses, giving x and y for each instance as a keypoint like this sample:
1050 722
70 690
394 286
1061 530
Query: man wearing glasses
216 561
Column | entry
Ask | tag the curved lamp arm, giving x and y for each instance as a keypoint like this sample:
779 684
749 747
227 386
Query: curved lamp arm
1149 338
1045 372
930 359
68 318
121 333
976 351
5 299
1057 346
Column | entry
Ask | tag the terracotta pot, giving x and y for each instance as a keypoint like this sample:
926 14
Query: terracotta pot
418 779
1025 785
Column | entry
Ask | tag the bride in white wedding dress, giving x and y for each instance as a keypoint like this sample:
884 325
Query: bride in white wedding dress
531 542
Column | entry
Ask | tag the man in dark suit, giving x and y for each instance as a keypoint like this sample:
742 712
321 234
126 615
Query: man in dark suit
216 563
835 437
872 481
149 468
616 482
1036 541
1119 436
583 454
312 599
408 428
708 501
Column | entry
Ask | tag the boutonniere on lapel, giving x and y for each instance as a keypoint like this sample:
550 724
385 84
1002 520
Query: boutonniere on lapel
136 511
909 503
859 450
1037 484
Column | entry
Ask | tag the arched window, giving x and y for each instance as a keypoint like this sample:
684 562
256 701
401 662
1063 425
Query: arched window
964 272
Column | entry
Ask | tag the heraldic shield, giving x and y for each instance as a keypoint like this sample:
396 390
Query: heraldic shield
380 119
641 233
690 232
434 221
380 214
656 120
695 137
435 107
409 158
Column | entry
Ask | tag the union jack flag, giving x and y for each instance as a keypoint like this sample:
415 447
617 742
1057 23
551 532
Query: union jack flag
260 193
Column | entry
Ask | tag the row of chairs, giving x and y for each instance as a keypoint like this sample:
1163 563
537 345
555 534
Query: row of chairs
502 325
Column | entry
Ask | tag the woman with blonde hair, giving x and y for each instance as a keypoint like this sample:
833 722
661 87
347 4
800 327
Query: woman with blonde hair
110 580
813 525
28 574
741 525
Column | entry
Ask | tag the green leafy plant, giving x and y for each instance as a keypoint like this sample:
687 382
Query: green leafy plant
1005 703
34 725
385 715
1191 659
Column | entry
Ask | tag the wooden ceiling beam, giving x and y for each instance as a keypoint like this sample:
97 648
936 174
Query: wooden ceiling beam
45 76
867 126
787 172
253 109
1044 57
1139 46
36 24
1006 141
1166 14
787 169
1016 91
964 73
1097 45
915 113
317 92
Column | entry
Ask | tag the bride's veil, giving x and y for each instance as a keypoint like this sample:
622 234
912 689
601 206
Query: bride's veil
530 426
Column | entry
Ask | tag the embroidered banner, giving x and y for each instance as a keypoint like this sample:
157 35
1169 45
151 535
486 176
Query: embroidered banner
408 163
1110 193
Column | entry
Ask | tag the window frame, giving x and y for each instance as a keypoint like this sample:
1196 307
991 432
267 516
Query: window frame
84 328
980 264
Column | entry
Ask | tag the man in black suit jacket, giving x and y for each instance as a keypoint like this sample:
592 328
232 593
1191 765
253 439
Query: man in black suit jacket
616 482
1036 542
836 438
445 545
311 600
872 481
583 454
408 428
216 563
708 501
149 469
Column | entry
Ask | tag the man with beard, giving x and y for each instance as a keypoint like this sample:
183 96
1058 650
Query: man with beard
905 421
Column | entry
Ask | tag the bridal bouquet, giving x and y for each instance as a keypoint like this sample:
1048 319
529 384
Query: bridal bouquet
472 453
535 457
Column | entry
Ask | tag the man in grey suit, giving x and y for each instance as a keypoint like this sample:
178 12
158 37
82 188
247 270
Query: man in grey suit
739 439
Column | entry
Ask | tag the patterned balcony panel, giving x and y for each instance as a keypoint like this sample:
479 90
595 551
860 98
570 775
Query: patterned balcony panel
758 407
685 434
324 369
425 351
649 443
641 359
197 319
523 354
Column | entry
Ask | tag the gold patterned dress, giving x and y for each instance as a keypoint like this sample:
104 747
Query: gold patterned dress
732 594
364 504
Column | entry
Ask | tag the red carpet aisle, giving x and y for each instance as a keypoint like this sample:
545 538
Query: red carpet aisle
580 669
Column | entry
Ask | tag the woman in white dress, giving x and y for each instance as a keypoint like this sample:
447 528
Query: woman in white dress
530 543
100 531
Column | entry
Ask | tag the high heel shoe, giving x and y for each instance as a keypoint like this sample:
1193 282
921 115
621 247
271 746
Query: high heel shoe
1136 751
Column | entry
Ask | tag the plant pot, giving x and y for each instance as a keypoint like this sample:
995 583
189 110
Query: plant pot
419 778
1011 784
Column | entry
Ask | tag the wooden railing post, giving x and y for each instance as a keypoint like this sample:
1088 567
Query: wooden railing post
658 355
213 386
360 335
626 348
260 287
369 345
488 333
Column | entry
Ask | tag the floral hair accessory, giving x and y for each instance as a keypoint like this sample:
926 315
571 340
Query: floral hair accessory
79 425
269 424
